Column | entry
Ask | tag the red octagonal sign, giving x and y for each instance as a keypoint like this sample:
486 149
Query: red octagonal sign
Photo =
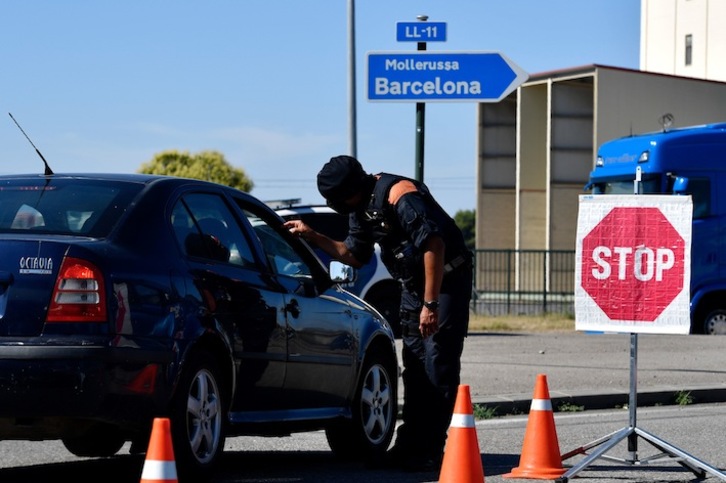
633 263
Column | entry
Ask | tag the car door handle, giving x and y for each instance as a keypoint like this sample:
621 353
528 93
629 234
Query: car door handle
293 308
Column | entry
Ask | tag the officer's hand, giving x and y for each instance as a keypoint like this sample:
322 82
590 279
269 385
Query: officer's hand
298 228
428 322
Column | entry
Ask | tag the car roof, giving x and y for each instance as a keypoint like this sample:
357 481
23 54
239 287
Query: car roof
130 178
303 209
138 177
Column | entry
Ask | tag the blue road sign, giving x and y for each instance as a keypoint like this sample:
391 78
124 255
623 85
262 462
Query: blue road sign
425 76
421 31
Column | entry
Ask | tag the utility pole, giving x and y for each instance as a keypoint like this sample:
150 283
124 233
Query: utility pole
420 120
353 142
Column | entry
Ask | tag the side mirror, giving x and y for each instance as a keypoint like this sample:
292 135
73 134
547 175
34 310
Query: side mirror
340 272
680 185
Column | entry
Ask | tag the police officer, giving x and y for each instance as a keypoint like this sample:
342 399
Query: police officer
424 249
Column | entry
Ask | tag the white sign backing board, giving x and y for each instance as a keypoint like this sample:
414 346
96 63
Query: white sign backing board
633 264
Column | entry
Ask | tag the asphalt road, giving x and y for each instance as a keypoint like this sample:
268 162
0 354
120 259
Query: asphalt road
305 458
501 370
593 370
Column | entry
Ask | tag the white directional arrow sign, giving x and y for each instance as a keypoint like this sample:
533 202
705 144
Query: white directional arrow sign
424 76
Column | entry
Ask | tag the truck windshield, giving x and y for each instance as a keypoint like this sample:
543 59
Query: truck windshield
624 187
698 188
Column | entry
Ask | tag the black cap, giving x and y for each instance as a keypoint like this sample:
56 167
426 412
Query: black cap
341 178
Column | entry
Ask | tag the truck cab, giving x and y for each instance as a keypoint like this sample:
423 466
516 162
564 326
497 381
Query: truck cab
684 161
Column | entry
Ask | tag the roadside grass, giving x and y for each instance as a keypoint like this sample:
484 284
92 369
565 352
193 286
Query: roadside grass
684 398
522 323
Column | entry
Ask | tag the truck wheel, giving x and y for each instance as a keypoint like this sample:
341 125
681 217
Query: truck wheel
715 322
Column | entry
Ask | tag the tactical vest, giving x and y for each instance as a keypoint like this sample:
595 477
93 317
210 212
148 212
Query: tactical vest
401 258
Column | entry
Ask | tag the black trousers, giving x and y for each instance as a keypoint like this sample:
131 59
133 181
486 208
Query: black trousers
432 367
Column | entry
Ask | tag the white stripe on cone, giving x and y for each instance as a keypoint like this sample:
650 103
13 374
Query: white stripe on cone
541 405
159 470
462 421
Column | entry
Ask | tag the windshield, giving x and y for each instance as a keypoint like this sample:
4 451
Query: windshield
624 187
63 206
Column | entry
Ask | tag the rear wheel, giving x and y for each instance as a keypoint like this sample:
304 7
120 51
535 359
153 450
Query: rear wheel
99 441
368 433
198 416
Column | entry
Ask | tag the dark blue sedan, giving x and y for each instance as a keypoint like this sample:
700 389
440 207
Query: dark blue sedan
128 297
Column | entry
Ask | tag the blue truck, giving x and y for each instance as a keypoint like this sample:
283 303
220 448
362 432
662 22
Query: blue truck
683 161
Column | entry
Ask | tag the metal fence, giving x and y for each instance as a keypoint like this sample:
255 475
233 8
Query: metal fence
524 282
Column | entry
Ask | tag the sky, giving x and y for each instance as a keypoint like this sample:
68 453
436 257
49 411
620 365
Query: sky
103 86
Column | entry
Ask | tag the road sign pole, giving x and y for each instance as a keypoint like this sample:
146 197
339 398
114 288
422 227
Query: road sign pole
420 122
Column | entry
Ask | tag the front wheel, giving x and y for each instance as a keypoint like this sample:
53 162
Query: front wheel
198 416
715 322
369 432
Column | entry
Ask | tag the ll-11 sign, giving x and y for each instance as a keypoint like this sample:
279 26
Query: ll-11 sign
441 76
421 31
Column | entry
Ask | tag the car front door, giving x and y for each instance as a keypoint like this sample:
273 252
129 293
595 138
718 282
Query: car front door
320 341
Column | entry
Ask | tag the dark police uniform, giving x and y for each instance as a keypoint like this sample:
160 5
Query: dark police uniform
432 366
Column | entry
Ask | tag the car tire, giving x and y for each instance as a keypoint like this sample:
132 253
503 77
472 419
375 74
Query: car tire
198 416
367 435
99 442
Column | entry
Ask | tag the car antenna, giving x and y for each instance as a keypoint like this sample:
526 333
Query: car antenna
48 171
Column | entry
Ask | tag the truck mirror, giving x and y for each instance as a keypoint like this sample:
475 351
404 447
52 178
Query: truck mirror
680 185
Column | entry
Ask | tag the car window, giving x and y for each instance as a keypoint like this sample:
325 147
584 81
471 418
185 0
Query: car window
206 228
64 206
332 225
282 257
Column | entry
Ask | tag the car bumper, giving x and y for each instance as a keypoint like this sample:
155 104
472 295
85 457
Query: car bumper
40 384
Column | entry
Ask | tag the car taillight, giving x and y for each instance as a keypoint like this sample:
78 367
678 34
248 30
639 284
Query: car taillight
79 294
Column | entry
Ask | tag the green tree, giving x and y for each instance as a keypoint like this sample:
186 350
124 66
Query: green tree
205 165
466 221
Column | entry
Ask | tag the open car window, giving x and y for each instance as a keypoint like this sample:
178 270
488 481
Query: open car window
282 257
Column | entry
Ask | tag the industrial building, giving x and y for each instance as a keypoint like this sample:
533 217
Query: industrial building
537 146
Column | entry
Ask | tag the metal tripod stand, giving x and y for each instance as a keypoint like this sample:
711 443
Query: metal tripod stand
631 433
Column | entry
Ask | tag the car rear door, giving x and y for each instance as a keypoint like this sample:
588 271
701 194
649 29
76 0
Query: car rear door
238 295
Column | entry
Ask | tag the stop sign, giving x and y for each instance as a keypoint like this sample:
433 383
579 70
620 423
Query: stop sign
633 263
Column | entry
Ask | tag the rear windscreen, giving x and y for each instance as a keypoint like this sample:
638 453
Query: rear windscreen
63 206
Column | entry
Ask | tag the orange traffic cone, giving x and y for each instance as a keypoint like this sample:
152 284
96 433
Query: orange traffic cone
462 461
540 457
159 466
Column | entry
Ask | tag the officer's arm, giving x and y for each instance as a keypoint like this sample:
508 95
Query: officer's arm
433 248
336 249
433 267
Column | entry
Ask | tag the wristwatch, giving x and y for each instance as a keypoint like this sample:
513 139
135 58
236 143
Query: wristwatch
432 305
